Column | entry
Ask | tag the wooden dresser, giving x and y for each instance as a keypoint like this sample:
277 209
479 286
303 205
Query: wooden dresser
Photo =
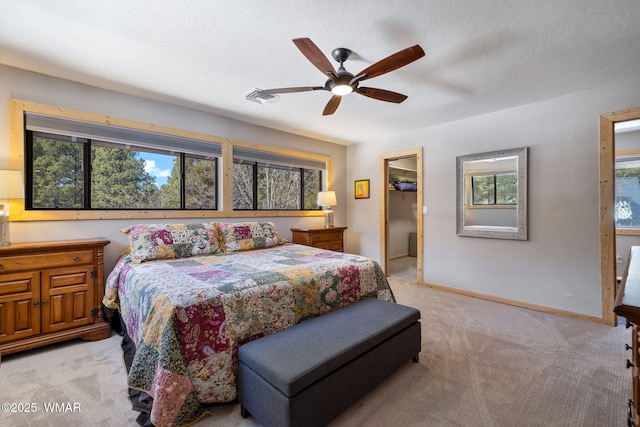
628 306
50 292
324 238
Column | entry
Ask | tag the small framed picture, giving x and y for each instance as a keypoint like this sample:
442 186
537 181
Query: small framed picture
362 189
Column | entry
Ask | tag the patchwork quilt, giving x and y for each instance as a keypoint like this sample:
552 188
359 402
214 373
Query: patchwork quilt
188 316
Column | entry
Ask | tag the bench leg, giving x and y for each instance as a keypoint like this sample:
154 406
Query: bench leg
244 413
416 358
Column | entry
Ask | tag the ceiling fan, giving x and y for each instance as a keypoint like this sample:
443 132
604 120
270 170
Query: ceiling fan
342 82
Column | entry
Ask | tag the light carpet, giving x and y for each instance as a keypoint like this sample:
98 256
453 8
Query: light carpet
482 364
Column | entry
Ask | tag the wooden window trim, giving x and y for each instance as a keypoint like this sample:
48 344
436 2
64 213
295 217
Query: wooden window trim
18 108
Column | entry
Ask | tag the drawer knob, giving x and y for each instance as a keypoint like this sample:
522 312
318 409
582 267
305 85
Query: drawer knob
0 265
36 303
76 259
630 364
47 302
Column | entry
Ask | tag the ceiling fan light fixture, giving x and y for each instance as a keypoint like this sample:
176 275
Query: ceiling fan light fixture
342 90
341 82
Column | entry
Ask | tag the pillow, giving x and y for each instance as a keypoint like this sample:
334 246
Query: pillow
401 178
244 236
166 241
405 186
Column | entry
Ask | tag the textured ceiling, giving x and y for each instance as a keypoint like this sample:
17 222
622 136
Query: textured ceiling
481 56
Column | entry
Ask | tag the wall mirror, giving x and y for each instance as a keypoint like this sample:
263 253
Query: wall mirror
492 194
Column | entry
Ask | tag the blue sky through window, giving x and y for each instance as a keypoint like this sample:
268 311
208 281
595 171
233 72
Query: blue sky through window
157 165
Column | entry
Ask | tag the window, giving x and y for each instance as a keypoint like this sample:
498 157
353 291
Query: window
57 172
80 165
627 190
264 180
494 188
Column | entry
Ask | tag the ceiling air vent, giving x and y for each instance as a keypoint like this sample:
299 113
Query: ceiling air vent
257 96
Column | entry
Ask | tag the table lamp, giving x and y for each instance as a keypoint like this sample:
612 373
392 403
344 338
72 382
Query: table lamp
11 187
327 199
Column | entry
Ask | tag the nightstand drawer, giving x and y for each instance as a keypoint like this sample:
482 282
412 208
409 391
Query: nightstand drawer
323 238
12 264
326 237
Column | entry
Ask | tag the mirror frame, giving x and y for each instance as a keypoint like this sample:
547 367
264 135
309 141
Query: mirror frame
495 232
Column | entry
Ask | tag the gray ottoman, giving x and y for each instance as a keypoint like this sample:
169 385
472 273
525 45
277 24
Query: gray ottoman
309 373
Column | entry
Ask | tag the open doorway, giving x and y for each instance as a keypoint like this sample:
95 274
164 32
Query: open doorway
401 217
607 210
627 191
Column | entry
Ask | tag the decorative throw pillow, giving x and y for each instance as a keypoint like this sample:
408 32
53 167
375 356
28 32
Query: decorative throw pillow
165 241
244 236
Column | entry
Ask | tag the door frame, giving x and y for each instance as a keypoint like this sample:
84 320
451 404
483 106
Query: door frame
607 205
384 206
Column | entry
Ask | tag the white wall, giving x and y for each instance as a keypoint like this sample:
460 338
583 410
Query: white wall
16 83
623 249
559 266
628 140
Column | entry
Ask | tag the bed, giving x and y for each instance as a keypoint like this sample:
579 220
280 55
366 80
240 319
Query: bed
190 294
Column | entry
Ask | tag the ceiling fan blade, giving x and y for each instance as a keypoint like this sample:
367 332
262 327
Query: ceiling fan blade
381 94
315 56
291 89
393 62
332 105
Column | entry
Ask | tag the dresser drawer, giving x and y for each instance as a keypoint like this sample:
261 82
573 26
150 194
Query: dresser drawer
12 264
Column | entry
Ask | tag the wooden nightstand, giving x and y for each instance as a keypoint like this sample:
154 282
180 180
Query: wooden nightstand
323 238
51 292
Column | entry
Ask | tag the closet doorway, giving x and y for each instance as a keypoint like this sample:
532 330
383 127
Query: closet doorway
401 233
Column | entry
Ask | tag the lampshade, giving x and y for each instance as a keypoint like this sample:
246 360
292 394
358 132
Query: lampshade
327 198
11 186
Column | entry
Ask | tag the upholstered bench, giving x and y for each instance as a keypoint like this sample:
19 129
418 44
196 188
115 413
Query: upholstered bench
309 373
